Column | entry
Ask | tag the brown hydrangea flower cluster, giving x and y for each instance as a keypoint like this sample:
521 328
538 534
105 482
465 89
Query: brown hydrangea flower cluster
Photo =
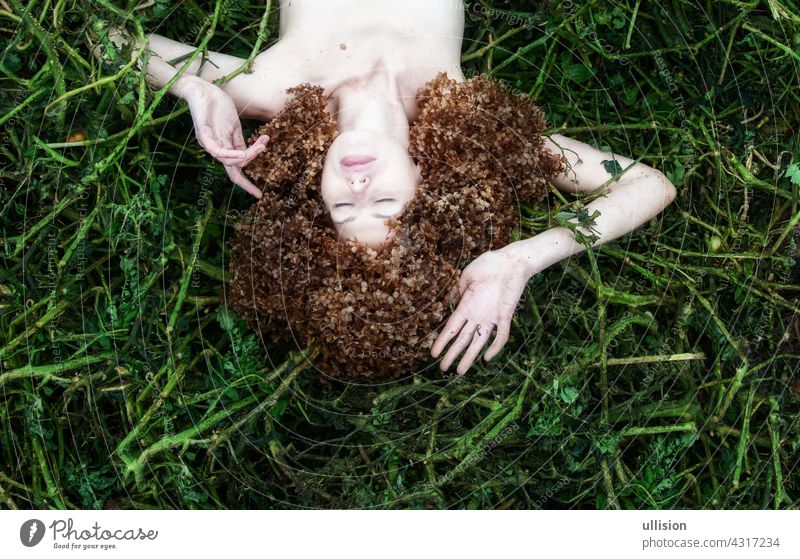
375 314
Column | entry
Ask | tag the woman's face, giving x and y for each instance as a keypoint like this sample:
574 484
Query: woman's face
367 178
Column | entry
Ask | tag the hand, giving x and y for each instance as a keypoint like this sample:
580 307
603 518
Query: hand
490 289
219 131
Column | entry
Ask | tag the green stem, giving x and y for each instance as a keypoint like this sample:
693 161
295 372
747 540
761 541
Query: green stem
48 372
638 431
774 434
744 437
49 218
52 313
657 359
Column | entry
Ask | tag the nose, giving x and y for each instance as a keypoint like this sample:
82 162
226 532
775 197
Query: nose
358 183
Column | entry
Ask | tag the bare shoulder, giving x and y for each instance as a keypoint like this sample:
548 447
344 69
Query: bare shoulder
588 167
262 93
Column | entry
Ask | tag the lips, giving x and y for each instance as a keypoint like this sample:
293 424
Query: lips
356 162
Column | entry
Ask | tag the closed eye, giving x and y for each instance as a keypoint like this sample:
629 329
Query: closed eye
385 200
342 205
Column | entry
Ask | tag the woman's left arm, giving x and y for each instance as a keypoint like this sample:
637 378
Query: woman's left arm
492 284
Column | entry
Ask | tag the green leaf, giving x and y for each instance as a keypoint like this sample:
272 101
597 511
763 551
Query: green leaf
630 95
602 17
162 8
793 173
127 99
569 394
226 319
676 173
579 73
279 408
13 62
612 166
607 443
618 18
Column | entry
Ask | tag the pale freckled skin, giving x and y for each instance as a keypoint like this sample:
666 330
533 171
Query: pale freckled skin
392 48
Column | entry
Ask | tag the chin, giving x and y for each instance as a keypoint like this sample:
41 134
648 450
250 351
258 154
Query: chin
366 142
352 139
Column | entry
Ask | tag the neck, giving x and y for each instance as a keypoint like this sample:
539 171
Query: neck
373 105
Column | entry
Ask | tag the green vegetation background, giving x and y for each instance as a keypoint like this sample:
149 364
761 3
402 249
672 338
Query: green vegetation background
659 371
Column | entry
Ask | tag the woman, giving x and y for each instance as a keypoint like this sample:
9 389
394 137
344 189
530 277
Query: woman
371 58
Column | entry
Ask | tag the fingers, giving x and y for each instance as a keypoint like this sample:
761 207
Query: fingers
237 158
479 340
500 339
233 158
206 137
231 161
462 341
239 143
263 139
223 149
255 150
234 155
450 329
238 178
238 138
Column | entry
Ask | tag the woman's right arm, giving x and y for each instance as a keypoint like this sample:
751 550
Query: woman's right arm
215 110
259 95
